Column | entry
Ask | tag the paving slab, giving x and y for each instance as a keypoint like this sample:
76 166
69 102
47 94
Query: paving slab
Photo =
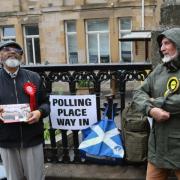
95 172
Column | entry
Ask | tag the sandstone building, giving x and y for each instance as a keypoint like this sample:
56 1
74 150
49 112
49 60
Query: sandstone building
78 31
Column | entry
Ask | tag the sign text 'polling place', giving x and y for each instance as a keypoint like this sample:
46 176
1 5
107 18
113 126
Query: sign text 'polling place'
73 112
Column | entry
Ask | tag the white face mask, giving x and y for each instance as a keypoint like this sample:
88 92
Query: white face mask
12 62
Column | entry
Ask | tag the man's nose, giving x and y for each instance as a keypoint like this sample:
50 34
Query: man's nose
162 47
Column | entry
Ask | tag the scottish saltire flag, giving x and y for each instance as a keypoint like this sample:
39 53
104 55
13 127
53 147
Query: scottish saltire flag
103 139
2 172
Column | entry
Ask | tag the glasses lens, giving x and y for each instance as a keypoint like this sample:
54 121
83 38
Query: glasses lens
19 51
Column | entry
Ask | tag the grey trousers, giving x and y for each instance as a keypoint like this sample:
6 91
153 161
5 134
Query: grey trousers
24 163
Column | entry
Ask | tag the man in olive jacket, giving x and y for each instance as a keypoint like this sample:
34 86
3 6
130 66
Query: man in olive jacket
159 98
21 143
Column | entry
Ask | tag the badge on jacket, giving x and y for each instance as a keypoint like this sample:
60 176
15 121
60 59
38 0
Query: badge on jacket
172 86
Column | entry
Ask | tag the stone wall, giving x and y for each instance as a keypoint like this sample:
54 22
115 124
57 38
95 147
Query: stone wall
170 13
156 59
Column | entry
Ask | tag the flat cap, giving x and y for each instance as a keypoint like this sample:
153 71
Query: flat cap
10 43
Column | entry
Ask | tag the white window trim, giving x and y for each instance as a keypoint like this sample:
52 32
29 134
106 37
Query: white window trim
32 37
6 37
98 41
68 33
124 31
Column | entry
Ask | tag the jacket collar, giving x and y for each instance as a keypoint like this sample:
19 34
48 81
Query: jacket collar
173 65
12 75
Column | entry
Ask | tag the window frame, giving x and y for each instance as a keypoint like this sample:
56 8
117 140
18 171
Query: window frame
6 38
67 43
126 31
32 37
98 40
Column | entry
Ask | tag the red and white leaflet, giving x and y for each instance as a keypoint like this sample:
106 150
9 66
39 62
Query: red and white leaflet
14 113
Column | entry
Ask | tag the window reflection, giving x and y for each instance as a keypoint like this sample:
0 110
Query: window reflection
71 42
32 43
125 47
8 33
98 41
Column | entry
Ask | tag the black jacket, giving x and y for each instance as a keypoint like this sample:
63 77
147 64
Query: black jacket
21 134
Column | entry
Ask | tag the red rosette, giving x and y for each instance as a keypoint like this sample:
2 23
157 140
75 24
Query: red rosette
30 89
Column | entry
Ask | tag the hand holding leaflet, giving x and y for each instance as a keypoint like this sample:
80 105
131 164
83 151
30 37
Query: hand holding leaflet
12 113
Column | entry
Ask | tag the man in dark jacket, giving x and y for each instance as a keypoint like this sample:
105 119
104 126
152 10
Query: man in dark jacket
21 143
159 97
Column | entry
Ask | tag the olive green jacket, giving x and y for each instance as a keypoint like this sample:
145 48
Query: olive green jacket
157 91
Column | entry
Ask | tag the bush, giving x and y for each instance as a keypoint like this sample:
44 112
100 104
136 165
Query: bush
84 83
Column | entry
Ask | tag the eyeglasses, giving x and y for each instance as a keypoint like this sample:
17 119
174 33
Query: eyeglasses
10 49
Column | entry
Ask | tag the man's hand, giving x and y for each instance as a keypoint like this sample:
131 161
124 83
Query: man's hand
1 110
34 117
159 114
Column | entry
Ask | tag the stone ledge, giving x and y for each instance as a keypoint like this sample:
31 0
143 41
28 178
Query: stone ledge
95 172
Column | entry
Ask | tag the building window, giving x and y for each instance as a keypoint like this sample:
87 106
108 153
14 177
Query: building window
125 47
32 45
8 33
71 42
97 41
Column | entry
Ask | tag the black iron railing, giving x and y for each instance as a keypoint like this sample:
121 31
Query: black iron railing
97 73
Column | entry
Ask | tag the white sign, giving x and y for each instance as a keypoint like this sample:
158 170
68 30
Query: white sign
73 112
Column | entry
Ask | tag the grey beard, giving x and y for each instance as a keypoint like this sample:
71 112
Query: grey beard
12 62
166 59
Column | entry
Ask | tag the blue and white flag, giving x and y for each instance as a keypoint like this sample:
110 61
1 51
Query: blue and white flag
2 172
103 139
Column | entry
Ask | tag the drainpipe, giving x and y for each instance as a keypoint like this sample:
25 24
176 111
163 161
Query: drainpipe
20 5
142 15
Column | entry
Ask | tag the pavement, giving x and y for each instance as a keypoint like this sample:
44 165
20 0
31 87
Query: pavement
57 171
95 172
